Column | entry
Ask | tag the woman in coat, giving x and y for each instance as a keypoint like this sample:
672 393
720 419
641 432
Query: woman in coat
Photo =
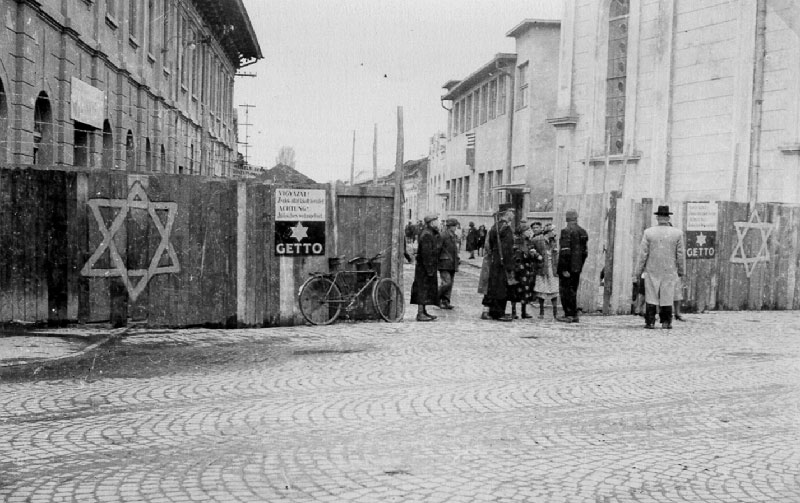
522 291
425 289
545 253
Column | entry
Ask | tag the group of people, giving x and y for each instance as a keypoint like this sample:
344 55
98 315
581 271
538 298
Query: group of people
521 265
526 265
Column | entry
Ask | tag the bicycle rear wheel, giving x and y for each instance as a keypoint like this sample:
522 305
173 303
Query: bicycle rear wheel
320 300
388 300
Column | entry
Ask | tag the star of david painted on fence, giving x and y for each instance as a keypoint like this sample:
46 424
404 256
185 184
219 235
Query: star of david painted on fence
137 199
754 222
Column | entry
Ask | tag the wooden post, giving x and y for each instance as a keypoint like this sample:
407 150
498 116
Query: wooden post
397 246
353 160
375 156
608 275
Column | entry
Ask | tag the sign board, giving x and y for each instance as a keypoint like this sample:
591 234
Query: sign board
701 230
87 103
300 222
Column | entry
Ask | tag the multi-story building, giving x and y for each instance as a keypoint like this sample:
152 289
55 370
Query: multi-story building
139 86
499 146
680 100
415 187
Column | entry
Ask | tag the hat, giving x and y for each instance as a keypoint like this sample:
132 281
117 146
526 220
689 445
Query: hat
572 216
431 218
472 224
663 211
451 221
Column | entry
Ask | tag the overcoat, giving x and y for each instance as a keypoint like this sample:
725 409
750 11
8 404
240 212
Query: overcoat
502 262
662 259
448 251
425 289
472 239
572 248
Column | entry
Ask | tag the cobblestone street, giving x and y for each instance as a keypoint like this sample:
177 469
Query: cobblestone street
456 410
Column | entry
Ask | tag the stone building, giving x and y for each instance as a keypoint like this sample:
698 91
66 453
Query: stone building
139 86
695 100
499 146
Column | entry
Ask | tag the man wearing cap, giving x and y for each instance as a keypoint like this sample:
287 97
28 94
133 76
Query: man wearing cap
500 253
662 262
573 250
448 262
425 289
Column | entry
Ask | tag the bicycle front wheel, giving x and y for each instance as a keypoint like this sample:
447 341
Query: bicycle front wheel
320 300
388 300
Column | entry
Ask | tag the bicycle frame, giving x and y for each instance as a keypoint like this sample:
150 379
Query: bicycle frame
349 297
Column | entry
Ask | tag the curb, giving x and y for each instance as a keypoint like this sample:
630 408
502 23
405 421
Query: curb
115 334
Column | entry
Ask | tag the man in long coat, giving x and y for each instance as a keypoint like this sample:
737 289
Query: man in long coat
448 262
573 248
662 262
500 244
425 289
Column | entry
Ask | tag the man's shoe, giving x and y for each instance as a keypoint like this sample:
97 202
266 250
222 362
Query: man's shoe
564 319
679 317
649 326
485 316
445 306
424 317
505 317
526 316
667 325
575 319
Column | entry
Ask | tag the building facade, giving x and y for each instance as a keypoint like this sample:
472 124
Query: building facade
680 101
499 146
139 86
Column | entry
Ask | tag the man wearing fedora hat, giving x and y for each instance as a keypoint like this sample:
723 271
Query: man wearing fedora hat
662 262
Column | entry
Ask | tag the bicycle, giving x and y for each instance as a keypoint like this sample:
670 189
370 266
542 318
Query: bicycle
323 296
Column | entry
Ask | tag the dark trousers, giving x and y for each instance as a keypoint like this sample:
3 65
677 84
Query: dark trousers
664 314
568 291
446 286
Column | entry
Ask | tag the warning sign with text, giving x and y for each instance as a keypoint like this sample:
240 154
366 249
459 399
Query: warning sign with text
300 222
701 230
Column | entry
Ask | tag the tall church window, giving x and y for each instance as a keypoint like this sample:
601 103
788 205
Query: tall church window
616 76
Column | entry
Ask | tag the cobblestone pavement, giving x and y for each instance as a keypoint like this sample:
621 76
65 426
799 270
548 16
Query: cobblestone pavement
451 411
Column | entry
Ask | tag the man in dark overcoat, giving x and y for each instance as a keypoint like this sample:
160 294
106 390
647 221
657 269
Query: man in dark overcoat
472 240
448 262
501 248
573 250
425 289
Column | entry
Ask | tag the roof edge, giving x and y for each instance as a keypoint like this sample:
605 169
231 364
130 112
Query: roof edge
478 74
528 23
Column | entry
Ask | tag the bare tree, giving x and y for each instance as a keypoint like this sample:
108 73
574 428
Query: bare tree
286 156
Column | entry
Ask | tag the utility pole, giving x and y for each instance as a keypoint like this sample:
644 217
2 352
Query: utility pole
375 156
397 216
353 160
246 125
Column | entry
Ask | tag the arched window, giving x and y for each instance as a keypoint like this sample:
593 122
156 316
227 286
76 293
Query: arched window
616 75
42 131
108 146
130 152
148 155
3 124
163 167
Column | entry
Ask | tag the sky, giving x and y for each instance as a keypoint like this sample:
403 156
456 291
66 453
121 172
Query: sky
332 67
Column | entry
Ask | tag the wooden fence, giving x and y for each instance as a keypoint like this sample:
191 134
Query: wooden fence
166 250
745 257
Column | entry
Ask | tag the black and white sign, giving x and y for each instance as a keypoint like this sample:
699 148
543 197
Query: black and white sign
701 230
299 222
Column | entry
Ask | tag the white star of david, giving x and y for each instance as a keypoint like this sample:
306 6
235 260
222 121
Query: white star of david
754 222
299 232
137 198
701 239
